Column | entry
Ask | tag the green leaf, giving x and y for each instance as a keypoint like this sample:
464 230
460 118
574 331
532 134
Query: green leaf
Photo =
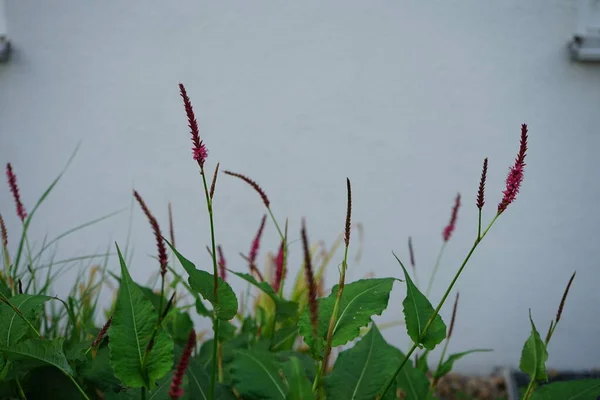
417 313
449 363
300 387
359 302
13 326
412 381
178 324
256 375
284 337
583 389
35 352
534 355
422 362
199 382
284 309
361 372
203 283
133 325
100 373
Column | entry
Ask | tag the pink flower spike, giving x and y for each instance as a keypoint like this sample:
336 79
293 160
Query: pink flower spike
176 390
452 224
256 241
14 188
199 150
278 269
222 263
515 174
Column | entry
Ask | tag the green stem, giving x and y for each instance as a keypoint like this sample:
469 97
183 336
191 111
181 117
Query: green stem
79 387
30 267
435 269
479 225
437 310
215 361
162 293
435 380
20 389
530 389
332 323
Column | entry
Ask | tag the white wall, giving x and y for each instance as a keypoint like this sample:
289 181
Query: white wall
405 98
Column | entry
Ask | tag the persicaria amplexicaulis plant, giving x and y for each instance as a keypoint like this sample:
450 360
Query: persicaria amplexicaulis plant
284 346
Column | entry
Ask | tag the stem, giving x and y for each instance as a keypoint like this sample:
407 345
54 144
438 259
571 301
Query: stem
81 390
435 269
20 388
435 381
162 293
30 268
437 309
530 389
215 362
479 225
332 322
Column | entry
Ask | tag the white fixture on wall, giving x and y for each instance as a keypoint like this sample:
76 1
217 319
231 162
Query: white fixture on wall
585 45
4 42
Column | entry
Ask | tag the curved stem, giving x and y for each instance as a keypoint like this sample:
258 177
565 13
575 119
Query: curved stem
437 309
215 362
332 322
85 396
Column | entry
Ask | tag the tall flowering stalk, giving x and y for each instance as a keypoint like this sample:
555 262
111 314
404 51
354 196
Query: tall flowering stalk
267 204
14 189
176 390
448 336
4 235
513 184
200 153
160 245
446 235
310 282
341 283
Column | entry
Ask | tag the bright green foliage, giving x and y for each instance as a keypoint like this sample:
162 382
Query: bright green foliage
203 283
35 352
417 313
256 375
198 381
585 389
360 372
360 301
283 337
133 325
178 324
284 309
412 381
14 326
534 355
299 387
449 363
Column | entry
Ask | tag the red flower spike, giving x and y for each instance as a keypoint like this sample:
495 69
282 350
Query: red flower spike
256 242
14 188
162 250
4 233
278 268
481 192
515 174
447 233
102 332
310 280
176 390
222 263
199 150
254 185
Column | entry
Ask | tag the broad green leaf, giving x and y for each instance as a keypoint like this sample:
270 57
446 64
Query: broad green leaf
203 283
13 326
178 324
256 375
283 308
284 337
299 387
422 361
5 290
199 382
412 381
35 352
359 302
153 297
449 363
583 389
133 325
307 362
534 355
100 373
417 313
361 372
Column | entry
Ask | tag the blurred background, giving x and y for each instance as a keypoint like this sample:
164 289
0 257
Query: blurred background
405 98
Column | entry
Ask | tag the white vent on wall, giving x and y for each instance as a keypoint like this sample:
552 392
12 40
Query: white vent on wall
4 42
585 45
